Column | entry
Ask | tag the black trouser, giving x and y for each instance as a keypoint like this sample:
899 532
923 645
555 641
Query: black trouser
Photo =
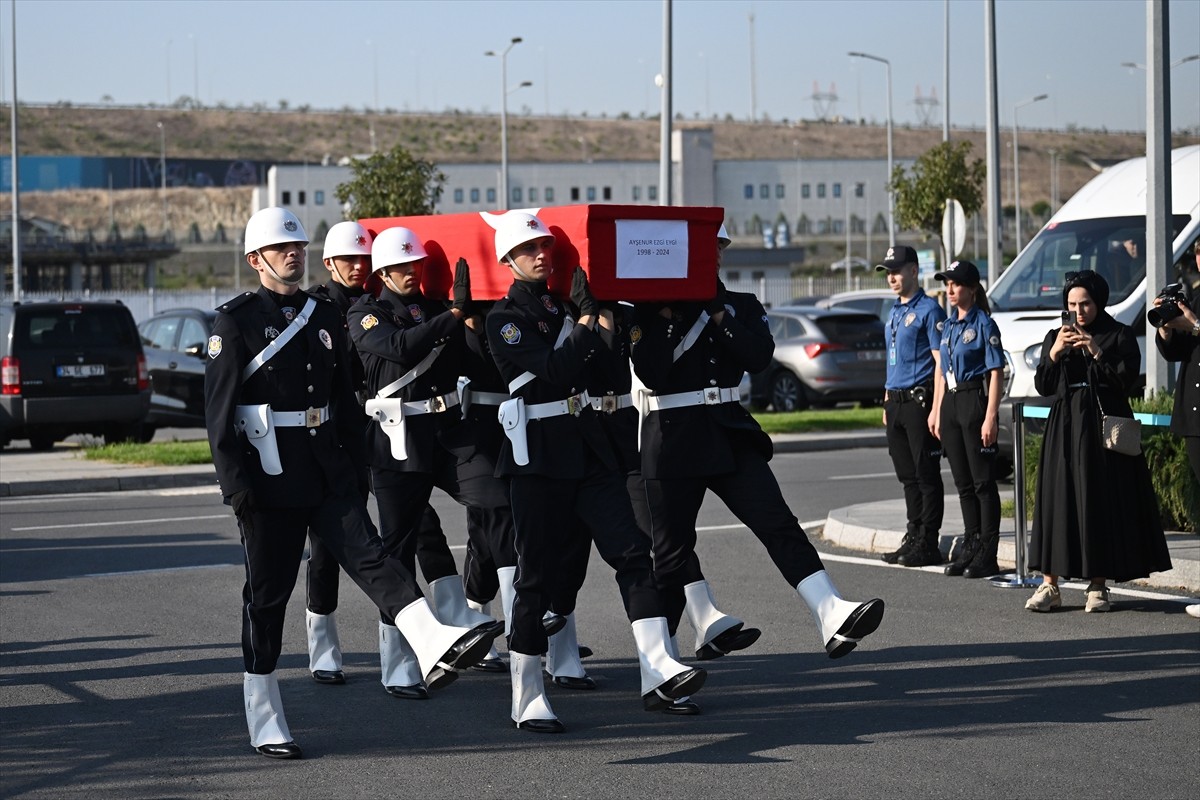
972 464
573 564
273 542
489 548
917 456
321 584
650 508
545 511
1192 443
751 492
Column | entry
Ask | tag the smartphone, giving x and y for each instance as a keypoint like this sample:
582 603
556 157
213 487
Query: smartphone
1070 319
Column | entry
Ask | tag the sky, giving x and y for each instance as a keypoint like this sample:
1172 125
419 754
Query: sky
601 56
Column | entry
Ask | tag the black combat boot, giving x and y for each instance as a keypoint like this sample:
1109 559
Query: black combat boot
924 554
984 562
906 545
966 552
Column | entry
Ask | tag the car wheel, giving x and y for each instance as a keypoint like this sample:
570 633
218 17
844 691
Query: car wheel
41 441
787 392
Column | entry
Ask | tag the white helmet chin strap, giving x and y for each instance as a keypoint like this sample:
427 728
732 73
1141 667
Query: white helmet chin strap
285 281
517 269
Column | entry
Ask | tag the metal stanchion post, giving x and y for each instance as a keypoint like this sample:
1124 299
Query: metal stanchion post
1019 579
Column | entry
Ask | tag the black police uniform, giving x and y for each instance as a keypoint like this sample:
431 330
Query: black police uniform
394 334
316 489
690 449
572 470
1185 419
912 333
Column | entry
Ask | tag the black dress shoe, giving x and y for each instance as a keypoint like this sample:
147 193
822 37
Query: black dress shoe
332 677
682 708
285 750
736 638
493 665
540 726
682 685
568 682
863 621
473 646
585 651
416 692
553 623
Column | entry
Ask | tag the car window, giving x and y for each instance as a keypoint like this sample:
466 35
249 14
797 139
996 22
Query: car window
851 328
783 327
194 335
160 333
793 328
76 326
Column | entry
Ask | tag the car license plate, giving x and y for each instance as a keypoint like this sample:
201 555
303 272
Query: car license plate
80 370
870 355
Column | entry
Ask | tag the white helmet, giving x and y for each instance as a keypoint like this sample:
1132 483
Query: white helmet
273 225
395 246
518 227
723 239
347 239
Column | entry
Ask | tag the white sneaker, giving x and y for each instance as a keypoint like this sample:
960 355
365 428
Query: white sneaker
1097 599
1046 597
1193 610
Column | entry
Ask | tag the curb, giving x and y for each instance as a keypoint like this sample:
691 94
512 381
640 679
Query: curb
122 483
816 443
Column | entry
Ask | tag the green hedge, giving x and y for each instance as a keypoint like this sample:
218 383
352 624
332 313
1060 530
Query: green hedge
1174 483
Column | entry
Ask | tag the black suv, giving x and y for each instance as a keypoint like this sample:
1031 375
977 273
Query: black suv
70 367
176 345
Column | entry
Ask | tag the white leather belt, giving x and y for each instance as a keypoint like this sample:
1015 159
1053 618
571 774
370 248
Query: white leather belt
611 403
312 418
701 397
487 398
434 405
557 408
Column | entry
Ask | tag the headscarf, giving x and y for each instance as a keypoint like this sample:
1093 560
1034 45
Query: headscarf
1092 282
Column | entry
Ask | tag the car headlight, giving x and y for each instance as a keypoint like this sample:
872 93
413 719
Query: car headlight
1033 355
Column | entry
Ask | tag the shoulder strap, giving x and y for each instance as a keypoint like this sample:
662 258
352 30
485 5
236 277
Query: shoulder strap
411 375
525 377
276 344
691 336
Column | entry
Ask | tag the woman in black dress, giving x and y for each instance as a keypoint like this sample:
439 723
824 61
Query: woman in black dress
1095 514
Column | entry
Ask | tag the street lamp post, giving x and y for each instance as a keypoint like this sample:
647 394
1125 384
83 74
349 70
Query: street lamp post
1176 63
1017 165
891 192
503 55
162 169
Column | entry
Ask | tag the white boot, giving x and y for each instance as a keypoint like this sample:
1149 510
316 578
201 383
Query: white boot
562 659
493 656
663 678
264 710
508 593
434 642
841 623
716 633
530 706
399 670
324 649
450 603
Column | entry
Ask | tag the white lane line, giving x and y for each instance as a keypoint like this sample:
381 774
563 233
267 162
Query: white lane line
155 571
122 522
736 526
867 476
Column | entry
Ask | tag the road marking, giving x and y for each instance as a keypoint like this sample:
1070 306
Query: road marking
867 476
123 522
160 569
707 528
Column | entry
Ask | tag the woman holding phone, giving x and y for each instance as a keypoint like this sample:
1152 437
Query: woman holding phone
972 363
1095 514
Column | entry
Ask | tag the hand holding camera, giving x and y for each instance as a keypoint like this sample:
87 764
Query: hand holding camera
1171 309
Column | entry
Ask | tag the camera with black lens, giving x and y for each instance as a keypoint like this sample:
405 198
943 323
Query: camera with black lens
1171 295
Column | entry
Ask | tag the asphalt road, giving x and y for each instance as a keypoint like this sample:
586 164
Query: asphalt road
119 677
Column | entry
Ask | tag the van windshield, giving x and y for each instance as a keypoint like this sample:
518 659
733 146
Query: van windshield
1115 247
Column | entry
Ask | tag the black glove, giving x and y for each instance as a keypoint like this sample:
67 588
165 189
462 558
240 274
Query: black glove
717 304
462 287
240 503
581 293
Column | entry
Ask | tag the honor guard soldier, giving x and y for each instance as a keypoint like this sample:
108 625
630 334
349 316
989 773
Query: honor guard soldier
562 467
412 350
279 409
697 436
913 335
347 256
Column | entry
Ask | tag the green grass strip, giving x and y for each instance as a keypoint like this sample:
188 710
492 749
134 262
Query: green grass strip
160 454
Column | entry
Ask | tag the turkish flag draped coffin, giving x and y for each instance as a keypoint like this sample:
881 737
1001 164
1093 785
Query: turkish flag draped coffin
636 253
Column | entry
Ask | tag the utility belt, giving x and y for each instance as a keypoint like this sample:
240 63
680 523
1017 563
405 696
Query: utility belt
611 403
917 394
259 422
701 397
514 415
963 386
390 413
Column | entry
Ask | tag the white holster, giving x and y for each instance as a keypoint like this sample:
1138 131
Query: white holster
513 419
389 413
255 422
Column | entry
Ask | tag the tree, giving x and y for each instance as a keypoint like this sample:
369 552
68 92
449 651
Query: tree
391 184
941 173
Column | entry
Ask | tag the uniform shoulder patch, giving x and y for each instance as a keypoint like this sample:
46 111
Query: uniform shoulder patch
368 322
510 333
941 325
214 346
236 302
635 334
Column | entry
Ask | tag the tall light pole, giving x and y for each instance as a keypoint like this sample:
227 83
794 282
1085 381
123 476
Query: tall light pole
891 192
195 72
168 73
503 56
1176 63
1017 164
162 168
16 172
